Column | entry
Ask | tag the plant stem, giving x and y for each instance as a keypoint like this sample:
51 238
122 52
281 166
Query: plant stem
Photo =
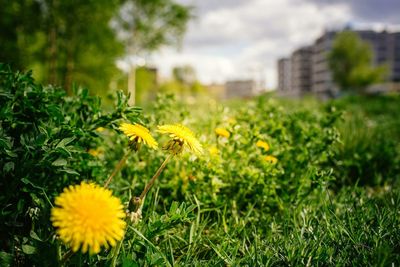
66 256
116 253
119 166
59 254
154 178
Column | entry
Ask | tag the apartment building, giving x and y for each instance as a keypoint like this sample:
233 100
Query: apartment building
295 73
393 51
284 75
386 48
321 75
301 70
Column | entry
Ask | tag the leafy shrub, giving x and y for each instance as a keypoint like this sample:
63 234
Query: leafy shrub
238 178
45 138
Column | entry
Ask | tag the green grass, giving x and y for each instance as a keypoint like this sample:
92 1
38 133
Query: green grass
343 219
370 140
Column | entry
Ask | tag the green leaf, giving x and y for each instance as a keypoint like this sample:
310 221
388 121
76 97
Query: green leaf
43 131
35 236
11 153
9 166
5 259
28 249
65 141
5 143
129 263
70 171
64 151
59 162
26 181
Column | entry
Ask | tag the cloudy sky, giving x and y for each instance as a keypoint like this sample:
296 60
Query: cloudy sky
238 39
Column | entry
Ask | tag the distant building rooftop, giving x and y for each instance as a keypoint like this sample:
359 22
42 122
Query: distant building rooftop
240 89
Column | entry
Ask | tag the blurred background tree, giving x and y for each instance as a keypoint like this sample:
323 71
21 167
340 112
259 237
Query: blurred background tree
79 41
351 63
146 25
184 74
62 41
184 83
17 20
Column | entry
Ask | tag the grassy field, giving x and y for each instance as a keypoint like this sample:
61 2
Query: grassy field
324 191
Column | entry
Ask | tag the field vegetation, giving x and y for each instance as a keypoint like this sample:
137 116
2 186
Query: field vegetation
277 182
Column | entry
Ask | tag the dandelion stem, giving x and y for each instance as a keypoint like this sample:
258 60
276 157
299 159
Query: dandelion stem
154 178
66 257
119 166
59 254
116 253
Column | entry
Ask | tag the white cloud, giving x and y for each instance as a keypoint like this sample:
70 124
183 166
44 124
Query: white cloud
209 68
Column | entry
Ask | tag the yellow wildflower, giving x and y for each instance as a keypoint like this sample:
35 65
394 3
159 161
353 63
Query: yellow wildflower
138 134
214 151
100 129
262 144
95 152
271 159
88 216
222 132
231 120
181 136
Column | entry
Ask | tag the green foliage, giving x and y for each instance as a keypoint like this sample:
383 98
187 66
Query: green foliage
67 42
351 63
184 83
45 137
16 22
250 212
145 25
63 41
227 207
301 140
369 151
184 74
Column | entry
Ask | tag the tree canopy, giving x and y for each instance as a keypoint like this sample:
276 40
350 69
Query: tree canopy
351 63
146 25
79 41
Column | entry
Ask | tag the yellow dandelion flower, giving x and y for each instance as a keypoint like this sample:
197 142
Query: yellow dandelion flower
138 134
214 151
271 159
181 136
88 216
95 152
222 132
231 120
262 144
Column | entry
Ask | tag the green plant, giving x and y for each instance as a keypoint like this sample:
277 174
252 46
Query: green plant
368 153
45 138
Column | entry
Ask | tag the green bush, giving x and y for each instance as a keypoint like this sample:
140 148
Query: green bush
45 137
